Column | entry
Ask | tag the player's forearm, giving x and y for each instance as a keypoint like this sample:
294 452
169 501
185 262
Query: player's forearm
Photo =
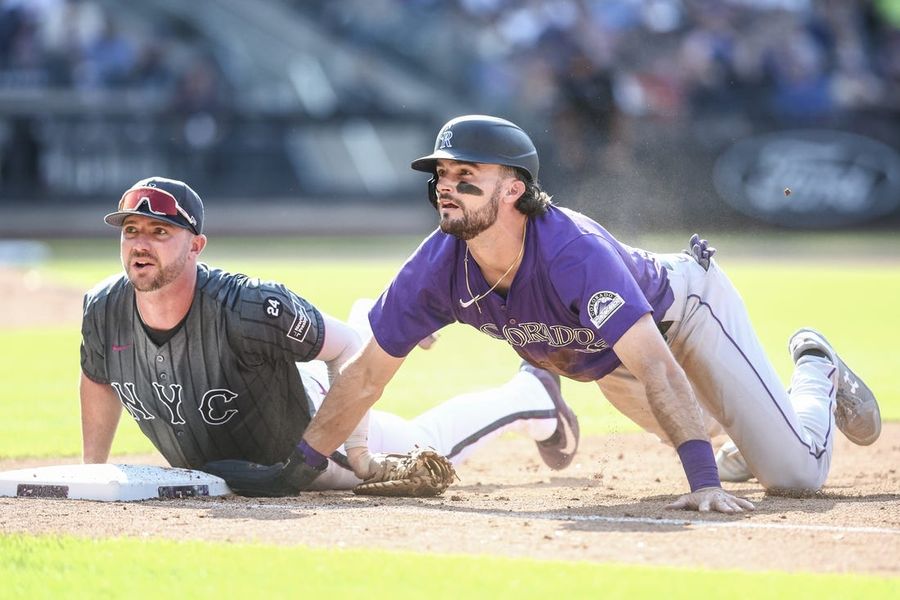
358 387
100 412
344 407
674 405
644 353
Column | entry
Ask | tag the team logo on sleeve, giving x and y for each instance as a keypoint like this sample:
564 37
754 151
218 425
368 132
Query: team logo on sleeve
300 326
602 306
272 306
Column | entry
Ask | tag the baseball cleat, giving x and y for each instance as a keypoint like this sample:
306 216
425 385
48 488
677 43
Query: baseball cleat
856 414
731 464
559 449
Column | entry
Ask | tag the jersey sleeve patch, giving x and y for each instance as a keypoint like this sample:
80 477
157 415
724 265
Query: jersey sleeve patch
603 305
300 327
273 307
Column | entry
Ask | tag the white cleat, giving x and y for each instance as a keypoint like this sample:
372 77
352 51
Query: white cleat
856 414
731 464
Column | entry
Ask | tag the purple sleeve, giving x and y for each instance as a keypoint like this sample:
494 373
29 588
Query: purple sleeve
414 305
600 288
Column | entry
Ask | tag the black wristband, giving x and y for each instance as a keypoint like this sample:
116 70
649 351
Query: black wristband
297 475
311 456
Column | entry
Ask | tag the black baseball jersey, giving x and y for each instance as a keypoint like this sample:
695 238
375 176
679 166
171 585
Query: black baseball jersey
225 385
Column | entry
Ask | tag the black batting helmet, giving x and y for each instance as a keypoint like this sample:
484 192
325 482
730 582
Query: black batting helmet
480 139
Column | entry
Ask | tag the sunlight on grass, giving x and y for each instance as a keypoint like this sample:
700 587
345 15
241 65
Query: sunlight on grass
52 567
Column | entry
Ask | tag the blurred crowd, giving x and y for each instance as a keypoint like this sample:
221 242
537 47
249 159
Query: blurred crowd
785 59
79 44
624 87
87 54
664 57
589 67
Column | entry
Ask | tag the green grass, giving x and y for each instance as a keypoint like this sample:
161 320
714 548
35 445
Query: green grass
52 567
853 305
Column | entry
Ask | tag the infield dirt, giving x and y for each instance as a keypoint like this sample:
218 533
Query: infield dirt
608 506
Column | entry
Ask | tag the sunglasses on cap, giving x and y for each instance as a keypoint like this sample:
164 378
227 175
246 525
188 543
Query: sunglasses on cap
159 202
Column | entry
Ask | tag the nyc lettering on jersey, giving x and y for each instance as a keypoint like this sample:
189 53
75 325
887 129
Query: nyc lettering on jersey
211 407
556 336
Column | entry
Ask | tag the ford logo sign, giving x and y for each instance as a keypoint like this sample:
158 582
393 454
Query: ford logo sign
810 179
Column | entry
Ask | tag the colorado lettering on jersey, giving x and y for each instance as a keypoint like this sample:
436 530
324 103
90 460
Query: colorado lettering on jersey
556 336
210 407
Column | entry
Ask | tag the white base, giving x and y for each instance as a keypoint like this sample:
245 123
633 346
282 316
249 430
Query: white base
110 483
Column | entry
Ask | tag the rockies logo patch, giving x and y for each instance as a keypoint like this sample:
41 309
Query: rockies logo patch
602 306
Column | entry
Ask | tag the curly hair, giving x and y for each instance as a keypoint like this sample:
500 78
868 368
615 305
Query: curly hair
534 201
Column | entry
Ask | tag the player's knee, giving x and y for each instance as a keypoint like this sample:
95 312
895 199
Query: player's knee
793 477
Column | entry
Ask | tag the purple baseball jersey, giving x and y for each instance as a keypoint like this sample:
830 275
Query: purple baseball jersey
577 290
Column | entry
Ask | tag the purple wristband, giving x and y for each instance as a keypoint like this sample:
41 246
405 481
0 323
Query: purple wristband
313 457
699 464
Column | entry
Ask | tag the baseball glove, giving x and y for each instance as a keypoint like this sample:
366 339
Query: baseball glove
422 472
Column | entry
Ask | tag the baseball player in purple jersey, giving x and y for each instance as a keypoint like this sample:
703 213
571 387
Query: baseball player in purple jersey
665 336
222 371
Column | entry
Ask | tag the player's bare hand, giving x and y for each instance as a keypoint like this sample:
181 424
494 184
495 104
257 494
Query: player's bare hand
712 499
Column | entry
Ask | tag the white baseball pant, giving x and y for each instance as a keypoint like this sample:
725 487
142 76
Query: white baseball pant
786 437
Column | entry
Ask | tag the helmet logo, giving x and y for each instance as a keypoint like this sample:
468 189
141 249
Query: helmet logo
445 137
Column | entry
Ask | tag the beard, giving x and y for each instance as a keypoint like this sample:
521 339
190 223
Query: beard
164 274
471 223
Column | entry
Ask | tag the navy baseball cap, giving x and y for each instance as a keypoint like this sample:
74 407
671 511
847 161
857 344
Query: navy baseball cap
168 200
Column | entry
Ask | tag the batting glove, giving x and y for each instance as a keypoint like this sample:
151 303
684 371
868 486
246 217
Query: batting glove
701 251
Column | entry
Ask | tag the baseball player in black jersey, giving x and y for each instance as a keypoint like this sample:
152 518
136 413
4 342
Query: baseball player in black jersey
215 367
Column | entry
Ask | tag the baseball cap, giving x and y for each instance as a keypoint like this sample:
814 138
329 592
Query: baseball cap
165 199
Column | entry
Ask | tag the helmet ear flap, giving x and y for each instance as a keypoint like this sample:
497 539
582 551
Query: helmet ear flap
432 191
